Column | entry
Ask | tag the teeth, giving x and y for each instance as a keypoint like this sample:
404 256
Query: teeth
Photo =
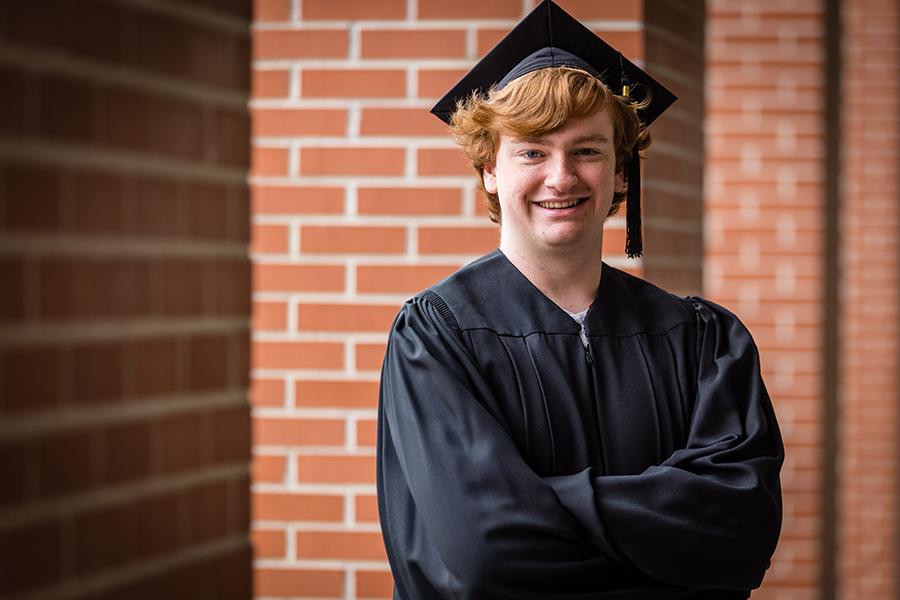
566 204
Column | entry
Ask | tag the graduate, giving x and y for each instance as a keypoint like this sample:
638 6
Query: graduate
551 427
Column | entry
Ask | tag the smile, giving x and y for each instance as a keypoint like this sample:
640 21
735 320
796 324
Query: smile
562 203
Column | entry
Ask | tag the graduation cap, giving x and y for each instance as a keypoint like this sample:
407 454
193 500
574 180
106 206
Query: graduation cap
550 37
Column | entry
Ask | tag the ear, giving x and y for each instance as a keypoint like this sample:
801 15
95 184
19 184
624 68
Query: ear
621 184
489 175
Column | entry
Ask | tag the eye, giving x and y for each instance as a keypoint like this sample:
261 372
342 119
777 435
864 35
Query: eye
588 151
531 154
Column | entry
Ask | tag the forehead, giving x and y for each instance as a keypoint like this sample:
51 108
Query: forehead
596 126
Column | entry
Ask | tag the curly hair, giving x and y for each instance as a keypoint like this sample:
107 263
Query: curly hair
539 103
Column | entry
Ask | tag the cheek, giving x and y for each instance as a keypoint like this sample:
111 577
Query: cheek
620 181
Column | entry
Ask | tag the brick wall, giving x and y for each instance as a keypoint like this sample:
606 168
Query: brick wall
672 196
124 308
870 298
764 238
360 200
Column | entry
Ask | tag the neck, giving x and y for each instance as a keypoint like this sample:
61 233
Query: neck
569 277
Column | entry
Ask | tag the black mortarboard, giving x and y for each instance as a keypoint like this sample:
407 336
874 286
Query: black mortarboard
550 37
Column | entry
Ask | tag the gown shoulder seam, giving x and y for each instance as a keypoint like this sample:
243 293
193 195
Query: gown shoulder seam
441 306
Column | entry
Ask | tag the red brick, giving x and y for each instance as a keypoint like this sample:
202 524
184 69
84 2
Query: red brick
157 524
297 278
157 366
157 208
297 355
13 105
65 106
340 544
345 317
298 432
105 537
17 468
174 127
268 506
770 243
401 122
269 316
589 9
230 134
336 469
30 378
299 582
629 43
337 394
434 83
208 511
67 462
409 201
308 43
458 240
208 360
268 469
30 554
366 433
285 122
271 83
366 509
269 543
96 288
354 9
271 10
297 200
353 83
269 162
267 392
231 434
352 161
269 239
481 204
97 203
207 208
374 584
395 279
127 451
183 287
12 281
351 239
369 356
411 43
614 241
185 442
443 161
470 9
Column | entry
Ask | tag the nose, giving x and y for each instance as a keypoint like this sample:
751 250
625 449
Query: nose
560 175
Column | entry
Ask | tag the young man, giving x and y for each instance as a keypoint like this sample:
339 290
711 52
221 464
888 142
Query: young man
551 427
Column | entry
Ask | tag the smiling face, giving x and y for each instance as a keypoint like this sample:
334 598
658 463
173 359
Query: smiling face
555 190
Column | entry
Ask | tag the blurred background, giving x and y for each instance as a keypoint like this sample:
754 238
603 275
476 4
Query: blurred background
211 210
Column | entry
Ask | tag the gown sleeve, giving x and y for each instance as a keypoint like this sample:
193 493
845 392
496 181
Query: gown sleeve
709 516
460 509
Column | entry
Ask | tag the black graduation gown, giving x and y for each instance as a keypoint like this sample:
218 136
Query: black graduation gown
515 464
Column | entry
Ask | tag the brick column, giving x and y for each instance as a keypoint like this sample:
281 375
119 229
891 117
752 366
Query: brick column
870 302
764 215
124 307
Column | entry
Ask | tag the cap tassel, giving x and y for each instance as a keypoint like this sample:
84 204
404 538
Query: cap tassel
634 245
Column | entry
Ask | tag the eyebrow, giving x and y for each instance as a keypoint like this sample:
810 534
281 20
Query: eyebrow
579 140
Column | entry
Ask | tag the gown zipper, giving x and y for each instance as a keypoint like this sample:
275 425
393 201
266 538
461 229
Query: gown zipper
592 376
